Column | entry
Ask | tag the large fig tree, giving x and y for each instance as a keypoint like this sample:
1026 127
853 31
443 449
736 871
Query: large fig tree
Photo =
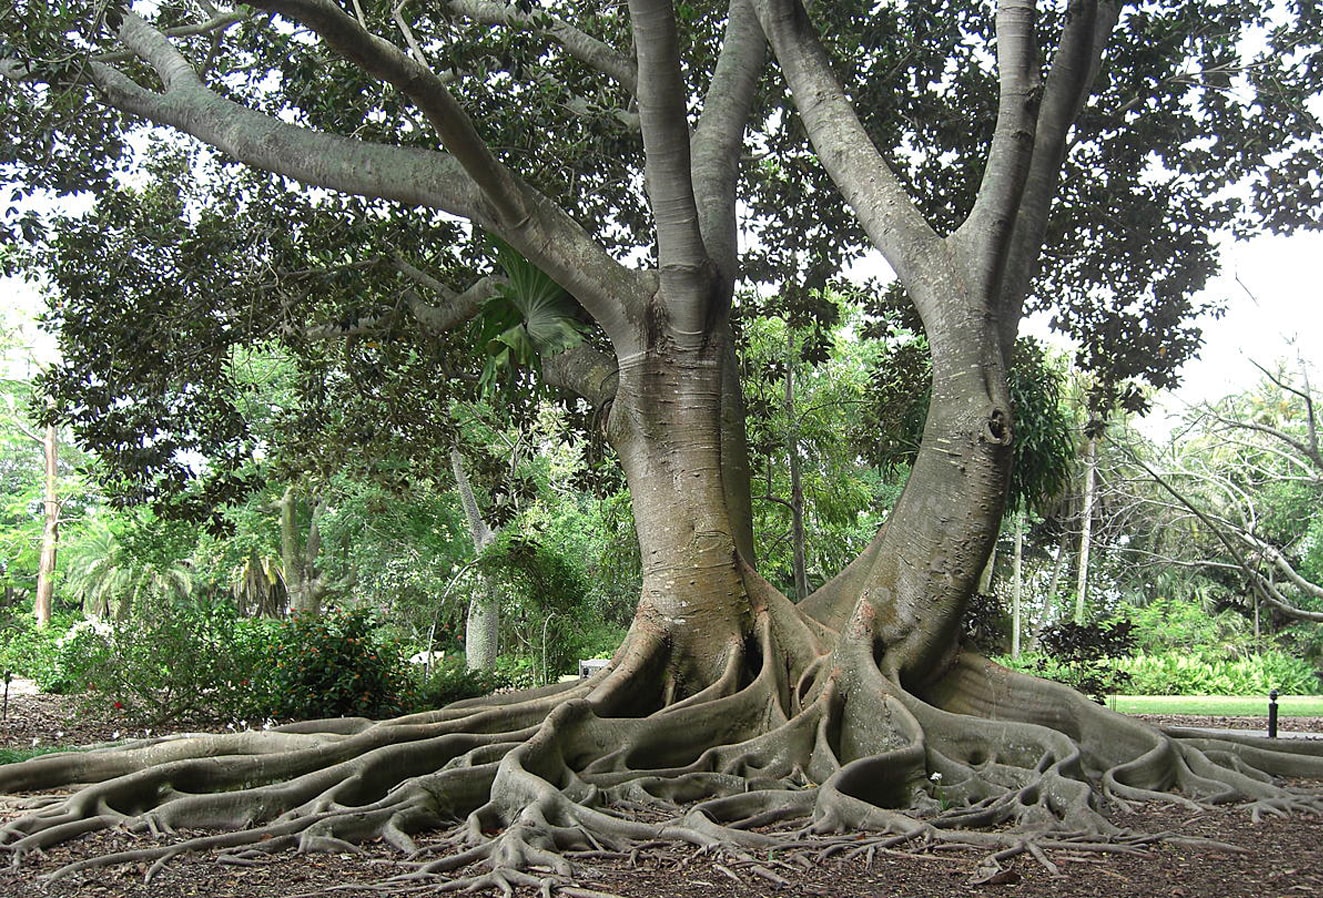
617 148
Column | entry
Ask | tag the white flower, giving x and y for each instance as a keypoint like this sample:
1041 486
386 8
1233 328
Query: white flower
114 735
936 777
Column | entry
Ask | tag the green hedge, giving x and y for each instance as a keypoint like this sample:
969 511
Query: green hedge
1195 673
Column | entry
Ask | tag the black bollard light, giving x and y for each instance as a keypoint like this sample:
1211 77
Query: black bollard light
1272 714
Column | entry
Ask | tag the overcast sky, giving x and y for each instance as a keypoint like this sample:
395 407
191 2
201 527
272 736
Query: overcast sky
1274 292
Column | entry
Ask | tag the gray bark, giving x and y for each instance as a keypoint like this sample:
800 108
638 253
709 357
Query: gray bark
1086 527
482 628
50 531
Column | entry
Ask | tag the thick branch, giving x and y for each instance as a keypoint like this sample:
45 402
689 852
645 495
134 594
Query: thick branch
583 47
1089 23
719 136
454 308
528 220
663 114
384 60
416 177
987 232
548 236
888 215
585 372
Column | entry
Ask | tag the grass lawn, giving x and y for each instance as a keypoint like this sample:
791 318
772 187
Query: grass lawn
1218 705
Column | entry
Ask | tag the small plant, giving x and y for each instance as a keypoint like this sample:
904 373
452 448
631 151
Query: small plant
17 755
938 792
336 665
1084 656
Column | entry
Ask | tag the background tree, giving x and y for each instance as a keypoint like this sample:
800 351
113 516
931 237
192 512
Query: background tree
724 693
1244 480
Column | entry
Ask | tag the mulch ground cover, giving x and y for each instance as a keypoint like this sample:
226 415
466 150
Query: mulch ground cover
1276 857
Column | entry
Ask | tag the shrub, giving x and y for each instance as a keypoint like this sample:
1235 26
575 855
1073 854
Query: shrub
184 662
1201 673
27 650
450 681
336 665
1082 656
597 639
1166 622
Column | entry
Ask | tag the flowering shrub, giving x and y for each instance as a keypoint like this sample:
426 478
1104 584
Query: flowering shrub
336 665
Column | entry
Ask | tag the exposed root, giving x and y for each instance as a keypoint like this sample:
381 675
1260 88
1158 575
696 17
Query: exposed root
782 760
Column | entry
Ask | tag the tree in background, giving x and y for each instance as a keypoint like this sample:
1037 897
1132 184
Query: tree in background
1242 481
606 149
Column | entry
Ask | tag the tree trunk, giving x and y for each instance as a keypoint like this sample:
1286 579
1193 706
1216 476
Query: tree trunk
303 581
482 628
933 550
1086 527
666 424
797 538
1017 585
50 532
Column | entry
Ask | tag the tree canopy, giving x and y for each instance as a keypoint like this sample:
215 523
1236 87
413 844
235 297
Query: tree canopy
1074 158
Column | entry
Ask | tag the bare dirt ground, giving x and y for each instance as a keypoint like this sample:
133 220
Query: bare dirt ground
1274 857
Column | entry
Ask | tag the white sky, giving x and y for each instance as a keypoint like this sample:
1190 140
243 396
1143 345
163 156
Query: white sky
1273 287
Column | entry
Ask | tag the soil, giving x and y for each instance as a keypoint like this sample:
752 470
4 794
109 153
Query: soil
1218 852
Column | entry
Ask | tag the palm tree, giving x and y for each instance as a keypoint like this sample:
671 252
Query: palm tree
111 583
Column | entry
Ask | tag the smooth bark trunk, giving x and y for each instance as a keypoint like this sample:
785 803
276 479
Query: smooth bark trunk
304 583
1017 585
50 531
482 627
666 425
797 537
1086 528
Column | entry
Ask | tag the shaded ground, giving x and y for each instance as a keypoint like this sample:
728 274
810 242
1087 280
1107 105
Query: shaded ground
1275 857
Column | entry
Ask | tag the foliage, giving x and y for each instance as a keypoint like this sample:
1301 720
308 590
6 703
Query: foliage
530 316
452 681
1167 622
27 650
172 663
17 755
333 665
544 606
814 344
987 626
1083 656
117 566
1191 672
